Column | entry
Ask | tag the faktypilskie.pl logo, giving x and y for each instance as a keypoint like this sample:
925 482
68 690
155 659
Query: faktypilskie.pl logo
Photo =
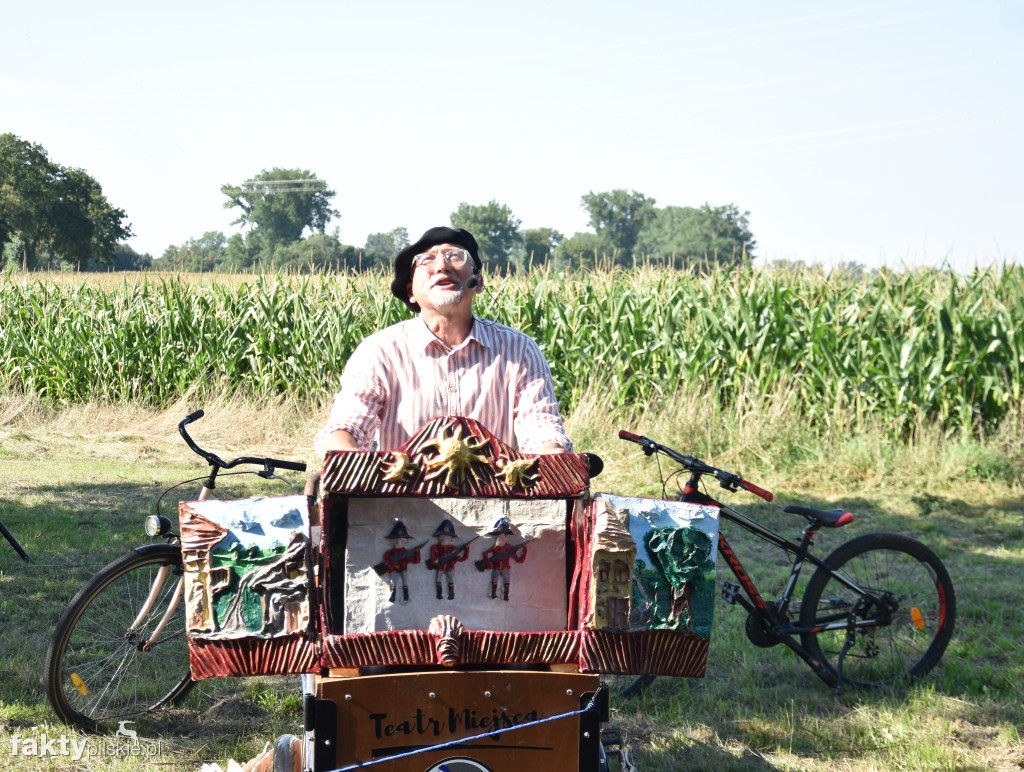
124 744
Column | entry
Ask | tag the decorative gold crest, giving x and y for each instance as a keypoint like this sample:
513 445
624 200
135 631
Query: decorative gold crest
521 473
455 458
401 470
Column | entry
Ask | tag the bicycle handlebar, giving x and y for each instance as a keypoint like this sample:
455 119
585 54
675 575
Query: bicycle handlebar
269 464
727 480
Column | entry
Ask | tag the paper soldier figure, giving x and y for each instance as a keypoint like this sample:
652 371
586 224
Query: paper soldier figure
397 559
498 557
443 557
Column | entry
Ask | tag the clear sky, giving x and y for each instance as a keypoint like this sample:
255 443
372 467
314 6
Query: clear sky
886 132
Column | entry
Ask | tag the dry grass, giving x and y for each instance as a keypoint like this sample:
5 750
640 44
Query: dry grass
77 480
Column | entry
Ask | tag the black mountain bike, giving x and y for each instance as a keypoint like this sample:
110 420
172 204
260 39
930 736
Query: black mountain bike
119 649
879 609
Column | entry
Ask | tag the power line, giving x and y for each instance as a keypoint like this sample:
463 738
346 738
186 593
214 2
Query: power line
271 183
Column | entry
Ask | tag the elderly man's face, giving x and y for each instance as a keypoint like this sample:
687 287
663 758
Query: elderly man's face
438 284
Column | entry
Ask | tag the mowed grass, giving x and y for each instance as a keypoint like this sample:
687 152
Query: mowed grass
76 481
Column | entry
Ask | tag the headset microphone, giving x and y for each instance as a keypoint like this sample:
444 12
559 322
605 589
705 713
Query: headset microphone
471 282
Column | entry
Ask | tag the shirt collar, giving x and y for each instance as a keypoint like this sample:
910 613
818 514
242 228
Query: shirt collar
479 332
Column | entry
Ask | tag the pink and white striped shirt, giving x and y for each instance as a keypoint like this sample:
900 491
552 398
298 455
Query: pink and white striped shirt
402 377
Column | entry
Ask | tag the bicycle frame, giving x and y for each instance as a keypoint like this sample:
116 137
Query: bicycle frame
14 543
775 614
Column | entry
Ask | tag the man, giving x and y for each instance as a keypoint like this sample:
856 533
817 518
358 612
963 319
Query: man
447 361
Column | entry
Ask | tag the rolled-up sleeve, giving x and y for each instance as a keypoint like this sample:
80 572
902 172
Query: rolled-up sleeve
536 416
359 405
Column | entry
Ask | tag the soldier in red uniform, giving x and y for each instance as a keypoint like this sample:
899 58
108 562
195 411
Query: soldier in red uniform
443 557
498 557
397 560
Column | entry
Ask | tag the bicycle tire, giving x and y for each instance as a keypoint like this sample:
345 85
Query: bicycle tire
94 646
917 595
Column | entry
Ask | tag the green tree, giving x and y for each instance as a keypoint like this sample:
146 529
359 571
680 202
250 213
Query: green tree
127 259
207 253
703 235
47 206
618 216
381 247
84 227
495 229
582 248
26 195
280 204
539 245
321 251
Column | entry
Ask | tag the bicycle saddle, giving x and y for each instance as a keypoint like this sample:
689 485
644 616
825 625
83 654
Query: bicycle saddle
833 518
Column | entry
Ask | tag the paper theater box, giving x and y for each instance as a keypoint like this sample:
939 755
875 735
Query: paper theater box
454 550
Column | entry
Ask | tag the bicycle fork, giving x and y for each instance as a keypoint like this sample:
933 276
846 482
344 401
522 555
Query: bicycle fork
154 592
205 494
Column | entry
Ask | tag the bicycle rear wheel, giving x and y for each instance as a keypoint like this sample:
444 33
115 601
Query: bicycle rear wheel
906 587
98 666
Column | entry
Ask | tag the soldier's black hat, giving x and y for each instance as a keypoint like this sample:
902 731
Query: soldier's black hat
398 531
445 529
502 526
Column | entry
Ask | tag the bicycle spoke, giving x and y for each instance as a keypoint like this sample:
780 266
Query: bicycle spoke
905 593
93 643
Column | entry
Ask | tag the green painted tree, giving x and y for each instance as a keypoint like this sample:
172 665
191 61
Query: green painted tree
84 228
206 253
495 229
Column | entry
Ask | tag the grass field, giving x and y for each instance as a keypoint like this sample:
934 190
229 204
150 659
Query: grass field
76 481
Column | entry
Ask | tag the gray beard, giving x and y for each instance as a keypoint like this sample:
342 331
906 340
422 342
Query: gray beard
444 298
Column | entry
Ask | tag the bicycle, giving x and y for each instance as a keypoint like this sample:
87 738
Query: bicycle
119 648
878 609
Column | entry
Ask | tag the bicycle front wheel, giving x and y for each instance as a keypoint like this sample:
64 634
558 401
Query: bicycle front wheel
109 658
905 588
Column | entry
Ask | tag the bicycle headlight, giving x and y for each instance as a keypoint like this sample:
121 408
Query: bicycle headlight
157 525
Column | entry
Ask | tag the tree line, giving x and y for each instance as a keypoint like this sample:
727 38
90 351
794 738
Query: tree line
54 217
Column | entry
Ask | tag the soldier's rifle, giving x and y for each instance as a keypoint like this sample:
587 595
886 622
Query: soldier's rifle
382 567
449 555
497 557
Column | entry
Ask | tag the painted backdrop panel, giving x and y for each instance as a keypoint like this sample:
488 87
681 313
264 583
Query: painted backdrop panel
534 577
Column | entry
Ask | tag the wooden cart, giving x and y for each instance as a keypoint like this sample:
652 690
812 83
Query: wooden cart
453 605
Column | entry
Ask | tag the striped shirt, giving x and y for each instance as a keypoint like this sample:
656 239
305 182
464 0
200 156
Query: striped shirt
403 377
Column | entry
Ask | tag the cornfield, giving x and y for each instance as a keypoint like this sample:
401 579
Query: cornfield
931 346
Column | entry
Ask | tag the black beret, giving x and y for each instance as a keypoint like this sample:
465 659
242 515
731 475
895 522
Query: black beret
432 238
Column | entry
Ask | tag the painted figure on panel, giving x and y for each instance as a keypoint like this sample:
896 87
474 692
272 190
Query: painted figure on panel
444 556
397 559
498 558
